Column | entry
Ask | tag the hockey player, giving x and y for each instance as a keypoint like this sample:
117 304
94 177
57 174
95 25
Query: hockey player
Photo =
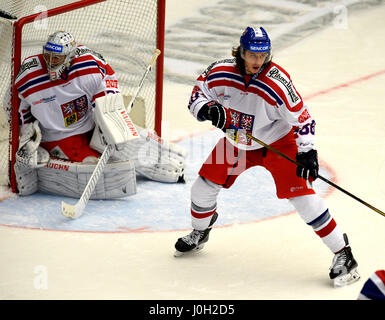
60 141
254 95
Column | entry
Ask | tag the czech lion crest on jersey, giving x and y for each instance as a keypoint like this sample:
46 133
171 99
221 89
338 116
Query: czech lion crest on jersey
74 110
244 122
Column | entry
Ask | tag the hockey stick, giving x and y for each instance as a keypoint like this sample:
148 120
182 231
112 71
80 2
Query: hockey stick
7 15
75 211
148 69
319 176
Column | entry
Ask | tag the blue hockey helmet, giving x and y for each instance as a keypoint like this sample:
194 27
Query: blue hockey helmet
255 40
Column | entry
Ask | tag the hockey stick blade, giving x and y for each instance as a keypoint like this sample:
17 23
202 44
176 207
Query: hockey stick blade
76 211
319 176
72 211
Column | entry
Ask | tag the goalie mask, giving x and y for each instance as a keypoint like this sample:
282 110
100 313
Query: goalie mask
58 52
256 40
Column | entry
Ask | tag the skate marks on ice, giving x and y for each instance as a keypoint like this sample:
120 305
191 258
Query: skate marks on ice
158 206
196 41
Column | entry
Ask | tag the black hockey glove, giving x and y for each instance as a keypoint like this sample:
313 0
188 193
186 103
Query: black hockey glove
216 113
309 161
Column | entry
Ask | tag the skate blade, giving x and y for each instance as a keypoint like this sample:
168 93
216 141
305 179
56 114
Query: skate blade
346 279
197 248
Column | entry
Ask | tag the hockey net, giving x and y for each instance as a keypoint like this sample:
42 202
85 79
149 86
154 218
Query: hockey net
125 32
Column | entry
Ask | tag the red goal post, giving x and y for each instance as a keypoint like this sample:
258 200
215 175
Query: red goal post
125 32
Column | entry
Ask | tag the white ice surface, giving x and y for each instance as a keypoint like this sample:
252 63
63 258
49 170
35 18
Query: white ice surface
278 258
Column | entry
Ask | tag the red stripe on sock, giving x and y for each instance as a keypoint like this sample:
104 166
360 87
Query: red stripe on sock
202 215
327 229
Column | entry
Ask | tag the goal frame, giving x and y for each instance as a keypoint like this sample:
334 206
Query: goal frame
18 25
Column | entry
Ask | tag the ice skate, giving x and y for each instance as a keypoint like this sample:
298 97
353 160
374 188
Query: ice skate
195 240
343 270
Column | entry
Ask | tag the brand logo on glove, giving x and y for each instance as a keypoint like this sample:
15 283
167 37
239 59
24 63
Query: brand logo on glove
129 123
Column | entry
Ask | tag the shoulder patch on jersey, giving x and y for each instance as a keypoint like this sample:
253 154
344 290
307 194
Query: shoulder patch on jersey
29 63
275 74
84 50
211 66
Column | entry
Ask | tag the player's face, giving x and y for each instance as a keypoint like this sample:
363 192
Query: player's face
254 61
53 60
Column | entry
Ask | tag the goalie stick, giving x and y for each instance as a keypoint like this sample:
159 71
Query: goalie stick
148 69
75 211
319 176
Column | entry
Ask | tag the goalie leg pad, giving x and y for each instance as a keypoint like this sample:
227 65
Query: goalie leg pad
154 158
66 178
152 138
152 161
26 178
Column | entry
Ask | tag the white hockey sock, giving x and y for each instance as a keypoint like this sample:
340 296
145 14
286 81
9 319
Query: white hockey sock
327 229
201 217
203 202
313 210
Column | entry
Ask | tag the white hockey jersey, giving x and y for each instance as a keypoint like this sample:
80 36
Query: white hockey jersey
267 107
64 107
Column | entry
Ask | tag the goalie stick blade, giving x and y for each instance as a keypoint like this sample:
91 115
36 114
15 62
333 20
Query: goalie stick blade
71 211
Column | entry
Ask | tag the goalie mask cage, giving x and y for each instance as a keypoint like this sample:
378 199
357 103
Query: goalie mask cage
125 32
